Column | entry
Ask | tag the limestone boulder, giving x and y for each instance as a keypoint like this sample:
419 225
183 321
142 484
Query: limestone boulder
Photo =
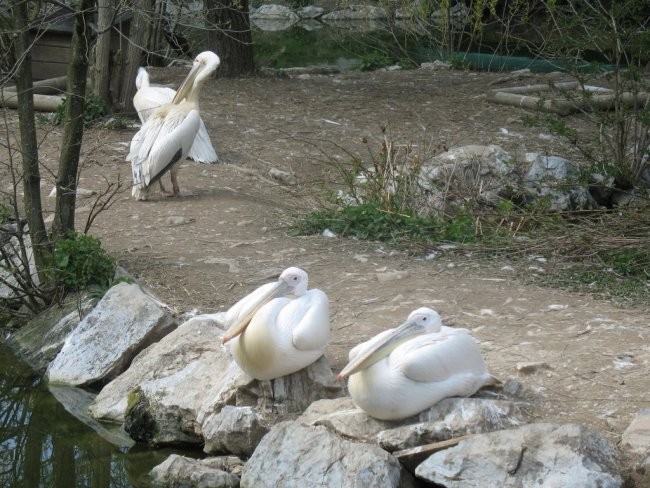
180 369
184 472
40 340
234 430
636 438
295 455
104 343
531 455
451 417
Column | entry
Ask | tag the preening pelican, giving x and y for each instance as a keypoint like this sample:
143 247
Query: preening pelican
280 328
405 370
169 132
148 98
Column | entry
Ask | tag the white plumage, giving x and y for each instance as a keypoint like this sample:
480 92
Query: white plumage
148 98
169 133
279 328
403 371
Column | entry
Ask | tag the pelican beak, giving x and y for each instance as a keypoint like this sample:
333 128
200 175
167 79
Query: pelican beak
187 84
239 325
382 348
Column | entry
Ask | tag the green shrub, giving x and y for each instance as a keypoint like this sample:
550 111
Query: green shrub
80 261
94 109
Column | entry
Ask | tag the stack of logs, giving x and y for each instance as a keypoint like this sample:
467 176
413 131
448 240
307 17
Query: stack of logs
48 95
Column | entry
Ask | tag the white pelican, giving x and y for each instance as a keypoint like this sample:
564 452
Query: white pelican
148 98
280 328
405 370
168 134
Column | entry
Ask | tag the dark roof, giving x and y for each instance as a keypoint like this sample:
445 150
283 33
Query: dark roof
62 20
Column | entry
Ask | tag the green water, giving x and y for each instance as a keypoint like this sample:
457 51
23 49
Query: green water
42 445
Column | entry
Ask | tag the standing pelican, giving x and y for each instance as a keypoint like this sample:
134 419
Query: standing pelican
148 98
280 328
405 370
168 134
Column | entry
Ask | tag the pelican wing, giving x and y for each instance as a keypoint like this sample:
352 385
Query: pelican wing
149 98
202 150
437 357
308 317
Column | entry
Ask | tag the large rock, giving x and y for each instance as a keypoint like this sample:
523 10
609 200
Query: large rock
40 340
183 472
294 455
234 430
636 437
271 18
123 323
288 395
532 455
181 367
180 385
556 180
451 417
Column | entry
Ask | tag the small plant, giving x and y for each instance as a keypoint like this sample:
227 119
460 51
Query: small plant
6 213
374 60
80 261
118 122
94 109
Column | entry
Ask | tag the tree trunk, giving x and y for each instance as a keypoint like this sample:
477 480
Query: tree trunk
28 142
229 35
66 180
143 11
101 74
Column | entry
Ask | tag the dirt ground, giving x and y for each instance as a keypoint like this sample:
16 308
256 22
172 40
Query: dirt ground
227 233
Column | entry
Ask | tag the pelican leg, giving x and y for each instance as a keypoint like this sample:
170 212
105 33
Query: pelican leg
175 187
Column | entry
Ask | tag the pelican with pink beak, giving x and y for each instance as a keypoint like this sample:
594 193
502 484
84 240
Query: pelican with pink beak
403 371
280 328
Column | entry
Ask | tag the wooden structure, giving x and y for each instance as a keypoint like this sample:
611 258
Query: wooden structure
52 42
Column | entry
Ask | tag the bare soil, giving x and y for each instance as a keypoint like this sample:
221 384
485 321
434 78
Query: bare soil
227 233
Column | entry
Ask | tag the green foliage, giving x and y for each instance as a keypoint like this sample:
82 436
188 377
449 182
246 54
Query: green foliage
6 212
80 261
94 109
374 60
369 222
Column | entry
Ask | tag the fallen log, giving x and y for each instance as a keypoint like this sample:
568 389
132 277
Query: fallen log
51 86
42 103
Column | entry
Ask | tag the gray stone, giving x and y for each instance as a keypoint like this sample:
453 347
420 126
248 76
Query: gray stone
183 472
12 249
40 340
448 418
636 438
234 430
271 18
102 346
532 367
356 12
295 455
310 12
453 417
287 395
180 369
532 455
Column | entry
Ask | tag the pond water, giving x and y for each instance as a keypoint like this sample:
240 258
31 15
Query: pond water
43 445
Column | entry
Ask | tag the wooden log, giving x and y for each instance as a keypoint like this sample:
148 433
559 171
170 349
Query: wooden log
42 103
51 86
564 85
530 102
415 455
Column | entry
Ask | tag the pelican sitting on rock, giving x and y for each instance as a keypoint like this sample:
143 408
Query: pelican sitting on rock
168 134
280 328
402 371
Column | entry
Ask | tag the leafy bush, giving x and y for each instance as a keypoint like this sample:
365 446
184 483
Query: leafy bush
80 261
5 213
94 109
